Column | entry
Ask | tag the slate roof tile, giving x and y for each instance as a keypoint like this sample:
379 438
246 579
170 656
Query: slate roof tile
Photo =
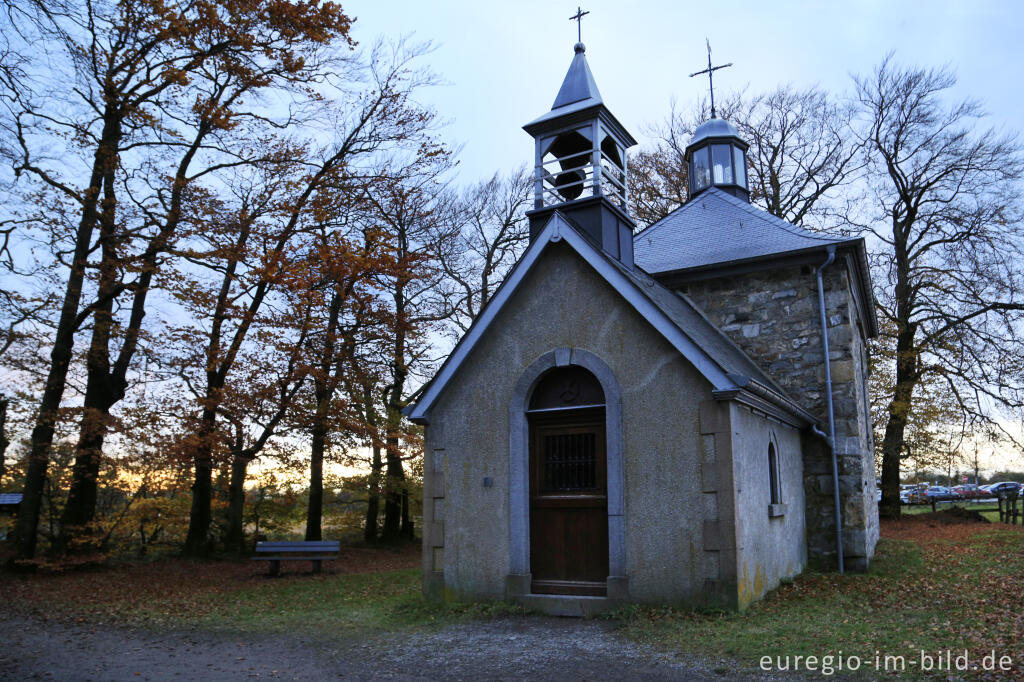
716 227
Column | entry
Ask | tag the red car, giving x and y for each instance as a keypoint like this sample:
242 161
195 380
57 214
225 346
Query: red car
969 491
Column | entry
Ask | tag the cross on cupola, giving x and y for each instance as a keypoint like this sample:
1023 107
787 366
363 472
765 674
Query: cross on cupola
710 71
717 155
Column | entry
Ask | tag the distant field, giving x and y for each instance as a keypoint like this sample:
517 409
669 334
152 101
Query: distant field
987 508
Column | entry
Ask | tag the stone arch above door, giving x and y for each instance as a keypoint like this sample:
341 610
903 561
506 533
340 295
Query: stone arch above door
518 581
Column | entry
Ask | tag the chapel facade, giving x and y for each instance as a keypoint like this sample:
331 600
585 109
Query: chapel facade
673 415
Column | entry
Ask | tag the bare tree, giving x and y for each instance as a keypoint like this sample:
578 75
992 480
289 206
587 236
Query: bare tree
948 211
801 153
491 234
411 218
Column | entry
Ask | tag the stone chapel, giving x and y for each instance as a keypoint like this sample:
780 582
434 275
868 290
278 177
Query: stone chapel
674 415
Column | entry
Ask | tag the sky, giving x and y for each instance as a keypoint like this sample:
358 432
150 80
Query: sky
503 62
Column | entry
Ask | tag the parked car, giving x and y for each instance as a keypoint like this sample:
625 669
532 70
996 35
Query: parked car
937 493
913 495
1003 488
969 491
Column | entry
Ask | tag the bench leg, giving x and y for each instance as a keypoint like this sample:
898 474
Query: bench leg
275 568
316 565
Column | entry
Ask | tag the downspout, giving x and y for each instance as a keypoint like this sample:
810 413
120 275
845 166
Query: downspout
830 438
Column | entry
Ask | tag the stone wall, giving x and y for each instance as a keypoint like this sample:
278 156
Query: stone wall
773 316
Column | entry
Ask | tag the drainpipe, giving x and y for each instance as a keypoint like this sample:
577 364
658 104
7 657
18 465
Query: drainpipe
830 438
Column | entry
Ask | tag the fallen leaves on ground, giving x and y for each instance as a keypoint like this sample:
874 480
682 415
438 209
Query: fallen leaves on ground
175 585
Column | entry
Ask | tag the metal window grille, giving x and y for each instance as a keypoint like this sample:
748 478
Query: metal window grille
570 462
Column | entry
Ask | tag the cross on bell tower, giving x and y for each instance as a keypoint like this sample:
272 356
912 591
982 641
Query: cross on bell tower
578 18
710 72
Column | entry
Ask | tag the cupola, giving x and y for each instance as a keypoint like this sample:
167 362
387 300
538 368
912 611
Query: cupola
580 166
717 157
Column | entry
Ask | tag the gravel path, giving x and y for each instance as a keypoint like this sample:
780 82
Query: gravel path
534 648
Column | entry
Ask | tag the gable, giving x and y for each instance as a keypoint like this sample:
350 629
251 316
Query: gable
715 358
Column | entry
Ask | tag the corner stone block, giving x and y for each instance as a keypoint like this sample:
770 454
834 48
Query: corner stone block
714 417
709 477
712 535
436 533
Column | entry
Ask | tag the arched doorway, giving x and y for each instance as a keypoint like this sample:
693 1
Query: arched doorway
568 484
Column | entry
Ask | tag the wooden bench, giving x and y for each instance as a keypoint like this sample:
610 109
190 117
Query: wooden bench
315 551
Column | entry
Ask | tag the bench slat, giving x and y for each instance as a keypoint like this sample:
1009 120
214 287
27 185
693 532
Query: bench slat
314 551
311 543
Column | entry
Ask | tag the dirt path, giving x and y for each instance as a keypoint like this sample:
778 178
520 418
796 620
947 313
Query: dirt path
534 648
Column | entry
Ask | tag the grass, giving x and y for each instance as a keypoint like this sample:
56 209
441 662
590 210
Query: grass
367 591
361 603
931 588
989 506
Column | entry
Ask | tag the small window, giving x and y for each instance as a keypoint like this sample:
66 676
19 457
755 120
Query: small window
775 491
722 162
700 171
739 165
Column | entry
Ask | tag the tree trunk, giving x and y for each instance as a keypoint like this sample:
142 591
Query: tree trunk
907 355
373 497
314 512
63 343
235 539
323 389
408 532
80 508
899 412
197 542
395 484
4 402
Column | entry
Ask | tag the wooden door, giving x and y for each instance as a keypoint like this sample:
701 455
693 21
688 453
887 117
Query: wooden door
568 503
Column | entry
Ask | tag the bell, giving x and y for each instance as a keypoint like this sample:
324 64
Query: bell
570 184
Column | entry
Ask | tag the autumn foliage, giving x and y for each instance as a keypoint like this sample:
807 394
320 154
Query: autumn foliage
224 281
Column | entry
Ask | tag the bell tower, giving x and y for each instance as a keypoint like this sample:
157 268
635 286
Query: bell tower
580 164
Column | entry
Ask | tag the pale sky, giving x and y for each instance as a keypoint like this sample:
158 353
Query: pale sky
504 61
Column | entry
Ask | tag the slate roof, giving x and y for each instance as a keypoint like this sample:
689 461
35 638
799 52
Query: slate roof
716 227
579 83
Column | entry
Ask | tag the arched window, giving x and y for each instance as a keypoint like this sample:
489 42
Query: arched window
775 488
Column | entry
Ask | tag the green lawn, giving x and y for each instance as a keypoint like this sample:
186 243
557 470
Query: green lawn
362 602
992 513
